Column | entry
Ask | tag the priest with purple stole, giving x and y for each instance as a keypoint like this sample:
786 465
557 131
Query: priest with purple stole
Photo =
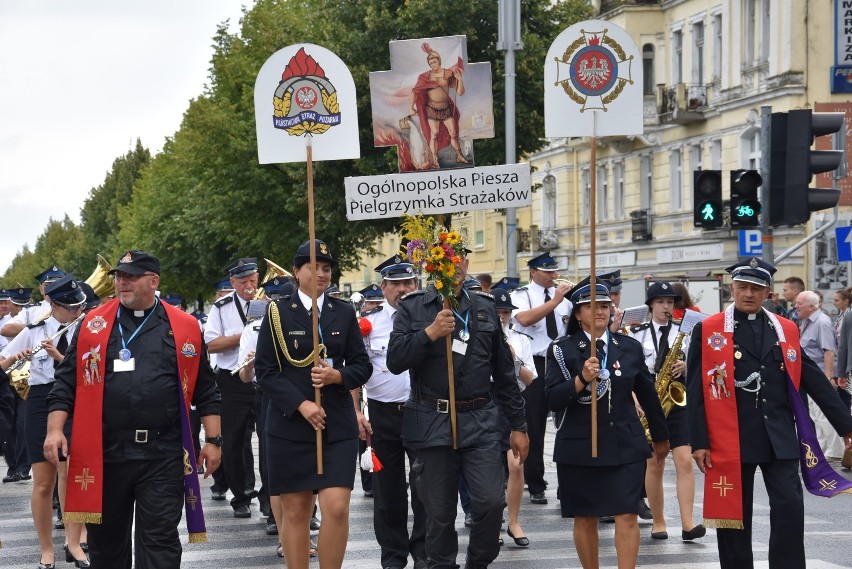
129 376
745 376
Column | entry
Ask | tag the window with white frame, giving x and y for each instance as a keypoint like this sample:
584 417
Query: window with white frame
646 182
764 31
602 203
499 240
648 69
718 46
675 179
548 202
586 195
677 56
618 190
716 155
698 53
749 31
479 228
750 149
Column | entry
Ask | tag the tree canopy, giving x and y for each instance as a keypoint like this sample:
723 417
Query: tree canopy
204 200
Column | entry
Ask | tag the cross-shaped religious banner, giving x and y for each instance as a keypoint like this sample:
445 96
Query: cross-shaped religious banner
432 103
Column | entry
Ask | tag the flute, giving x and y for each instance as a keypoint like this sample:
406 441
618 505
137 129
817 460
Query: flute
23 361
246 362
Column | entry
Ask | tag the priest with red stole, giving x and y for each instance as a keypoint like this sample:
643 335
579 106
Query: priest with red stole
745 375
130 375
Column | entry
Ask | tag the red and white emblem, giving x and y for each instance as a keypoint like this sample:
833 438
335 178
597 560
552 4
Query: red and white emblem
717 341
597 70
96 324
306 98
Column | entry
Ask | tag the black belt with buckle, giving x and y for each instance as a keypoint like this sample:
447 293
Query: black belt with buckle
398 407
140 436
443 405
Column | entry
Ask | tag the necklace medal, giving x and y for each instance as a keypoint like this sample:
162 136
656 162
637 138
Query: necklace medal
124 355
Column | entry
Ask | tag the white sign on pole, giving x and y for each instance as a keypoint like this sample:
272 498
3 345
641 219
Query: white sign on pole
593 69
305 90
438 191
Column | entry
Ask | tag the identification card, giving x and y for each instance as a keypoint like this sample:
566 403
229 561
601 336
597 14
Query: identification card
119 365
459 347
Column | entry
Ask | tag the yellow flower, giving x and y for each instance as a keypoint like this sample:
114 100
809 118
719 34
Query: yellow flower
450 270
453 237
437 253
439 285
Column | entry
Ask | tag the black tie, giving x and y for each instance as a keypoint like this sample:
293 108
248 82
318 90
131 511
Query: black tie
61 347
600 353
550 319
663 347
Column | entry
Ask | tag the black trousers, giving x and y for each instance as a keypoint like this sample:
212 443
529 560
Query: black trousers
786 519
155 487
237 415
390 490
15 446
536 410
437 472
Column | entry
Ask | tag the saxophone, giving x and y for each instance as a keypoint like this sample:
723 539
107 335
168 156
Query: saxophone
669 391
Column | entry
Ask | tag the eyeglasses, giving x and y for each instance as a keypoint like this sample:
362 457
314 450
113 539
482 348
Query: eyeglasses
131 278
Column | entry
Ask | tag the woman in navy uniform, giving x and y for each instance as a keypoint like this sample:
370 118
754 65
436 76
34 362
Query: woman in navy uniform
611 484
284 368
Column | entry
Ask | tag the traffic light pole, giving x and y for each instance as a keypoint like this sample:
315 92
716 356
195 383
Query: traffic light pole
765 153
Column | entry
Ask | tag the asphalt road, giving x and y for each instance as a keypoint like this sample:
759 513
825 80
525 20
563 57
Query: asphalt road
238 543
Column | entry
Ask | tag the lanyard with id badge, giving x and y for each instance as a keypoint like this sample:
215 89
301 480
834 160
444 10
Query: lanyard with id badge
126 361
460 343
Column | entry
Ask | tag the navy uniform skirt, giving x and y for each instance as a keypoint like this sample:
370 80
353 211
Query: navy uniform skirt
678 424
595 491
292 465
36 423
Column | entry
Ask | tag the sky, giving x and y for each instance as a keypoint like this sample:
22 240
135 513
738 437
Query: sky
80 81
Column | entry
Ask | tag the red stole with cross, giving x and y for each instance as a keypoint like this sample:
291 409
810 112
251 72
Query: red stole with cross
84 501
723 499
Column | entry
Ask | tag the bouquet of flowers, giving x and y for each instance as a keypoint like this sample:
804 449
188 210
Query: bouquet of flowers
435 250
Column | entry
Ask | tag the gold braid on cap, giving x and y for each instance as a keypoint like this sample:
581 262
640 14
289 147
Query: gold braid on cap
275 318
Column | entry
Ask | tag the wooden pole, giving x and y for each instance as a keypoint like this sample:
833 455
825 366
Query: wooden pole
592 252
313 260
450 374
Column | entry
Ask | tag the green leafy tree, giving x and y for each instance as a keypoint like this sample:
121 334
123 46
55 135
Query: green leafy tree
205 200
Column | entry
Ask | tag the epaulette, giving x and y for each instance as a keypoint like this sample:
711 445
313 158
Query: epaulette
337 298
37 324
485 294
639 327
412 293
520 288
224 300
373 310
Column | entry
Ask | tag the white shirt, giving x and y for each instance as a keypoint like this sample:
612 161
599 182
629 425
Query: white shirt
248 341
383 385
307 302
647 340
523 349
31 314
3 339
225 320
41 369
531 296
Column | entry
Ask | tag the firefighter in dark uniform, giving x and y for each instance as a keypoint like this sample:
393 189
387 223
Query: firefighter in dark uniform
760 418
146 439
480 352
285 370
611 483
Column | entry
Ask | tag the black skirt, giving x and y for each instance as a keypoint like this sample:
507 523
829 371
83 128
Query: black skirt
678 424
595 491
292 465
36 423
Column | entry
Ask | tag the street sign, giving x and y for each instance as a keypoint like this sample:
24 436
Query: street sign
844 244
751 242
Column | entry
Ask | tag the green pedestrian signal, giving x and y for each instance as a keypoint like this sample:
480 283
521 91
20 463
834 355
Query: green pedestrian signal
707 198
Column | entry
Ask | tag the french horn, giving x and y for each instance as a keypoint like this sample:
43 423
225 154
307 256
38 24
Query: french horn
100 280
272 270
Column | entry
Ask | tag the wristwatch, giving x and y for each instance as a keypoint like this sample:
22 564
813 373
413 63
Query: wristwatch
217 440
